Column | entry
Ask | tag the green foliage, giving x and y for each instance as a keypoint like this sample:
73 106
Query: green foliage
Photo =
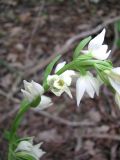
24 156
36 102
118 43
25 139
117 25
7 135
23 103
80 46
48 71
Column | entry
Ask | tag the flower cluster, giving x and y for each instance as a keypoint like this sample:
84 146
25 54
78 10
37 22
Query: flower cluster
80 69
86 82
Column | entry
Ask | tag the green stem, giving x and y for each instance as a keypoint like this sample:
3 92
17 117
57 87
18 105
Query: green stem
14 128
82 62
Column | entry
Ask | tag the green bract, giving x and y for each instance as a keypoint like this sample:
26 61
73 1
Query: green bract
80 46
48 71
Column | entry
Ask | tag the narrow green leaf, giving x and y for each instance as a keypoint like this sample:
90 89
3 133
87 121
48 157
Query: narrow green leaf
24 139
80 46
118 43
118 25
49 68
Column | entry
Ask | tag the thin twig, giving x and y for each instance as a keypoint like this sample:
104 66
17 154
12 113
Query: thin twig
64 121
15 100
34 29
14 87
102 136
9 114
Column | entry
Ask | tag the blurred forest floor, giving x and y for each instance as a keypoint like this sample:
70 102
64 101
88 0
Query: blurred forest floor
32 33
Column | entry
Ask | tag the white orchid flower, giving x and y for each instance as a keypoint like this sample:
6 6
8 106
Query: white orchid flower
30 149
60 83
96 47
114 78
117 99
88 84
32 90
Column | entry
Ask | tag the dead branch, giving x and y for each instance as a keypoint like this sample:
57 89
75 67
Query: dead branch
34 30
64 121
102 136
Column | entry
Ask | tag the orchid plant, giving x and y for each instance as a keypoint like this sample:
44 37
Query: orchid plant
80 68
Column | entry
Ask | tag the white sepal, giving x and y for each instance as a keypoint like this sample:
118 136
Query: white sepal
59 66
29 148
97 41
96 47
114 78
117 99
86 83
44 103
32 90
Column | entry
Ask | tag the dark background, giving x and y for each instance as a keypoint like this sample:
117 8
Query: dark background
32 33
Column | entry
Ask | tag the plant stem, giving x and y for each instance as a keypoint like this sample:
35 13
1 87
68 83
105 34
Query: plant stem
14 128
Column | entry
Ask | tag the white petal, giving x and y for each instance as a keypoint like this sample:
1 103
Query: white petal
51 79
115 74
96 85
116 70
88 87
67 90
100 53
30 149
59 66
80 89
57 92
38 87
66 79
117 99
27 85
97 41
69 73
85 51
27 95
94 82
37 151
44 103
115 85
24 146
